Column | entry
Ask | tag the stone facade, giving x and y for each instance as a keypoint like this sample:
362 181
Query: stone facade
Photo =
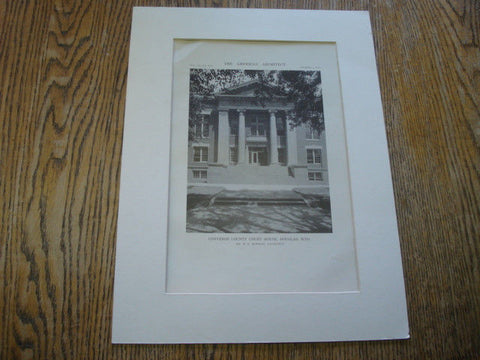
240 141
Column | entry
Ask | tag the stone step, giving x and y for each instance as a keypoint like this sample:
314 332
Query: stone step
252 197
242 201
244 174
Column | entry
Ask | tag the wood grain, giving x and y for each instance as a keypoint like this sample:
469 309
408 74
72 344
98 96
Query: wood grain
63 68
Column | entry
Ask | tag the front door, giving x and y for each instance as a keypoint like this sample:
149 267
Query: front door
256 156
253 158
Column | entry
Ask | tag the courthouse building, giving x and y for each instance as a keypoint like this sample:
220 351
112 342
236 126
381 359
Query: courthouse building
242 141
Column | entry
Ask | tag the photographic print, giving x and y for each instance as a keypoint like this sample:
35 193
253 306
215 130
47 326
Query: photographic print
258 169
257 154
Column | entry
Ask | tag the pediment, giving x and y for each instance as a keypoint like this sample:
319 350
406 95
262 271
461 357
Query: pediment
244 89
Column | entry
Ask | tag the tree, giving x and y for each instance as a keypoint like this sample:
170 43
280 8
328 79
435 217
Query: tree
302 88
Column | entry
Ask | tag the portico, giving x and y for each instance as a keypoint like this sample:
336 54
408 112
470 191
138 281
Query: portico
249 141
257 137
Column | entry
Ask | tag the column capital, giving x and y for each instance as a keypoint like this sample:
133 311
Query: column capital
241 111
272 112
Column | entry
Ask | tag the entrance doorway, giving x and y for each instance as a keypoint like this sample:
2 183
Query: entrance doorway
257 156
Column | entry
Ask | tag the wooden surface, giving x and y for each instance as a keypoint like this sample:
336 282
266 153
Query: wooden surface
63 70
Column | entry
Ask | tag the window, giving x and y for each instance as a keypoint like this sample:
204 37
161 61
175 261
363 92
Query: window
233 155
315 176
314 156
312 134
201 128
257 126
233 128
200 174
200 154
280 127
282 159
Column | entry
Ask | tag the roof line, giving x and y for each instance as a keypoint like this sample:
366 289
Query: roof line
231 88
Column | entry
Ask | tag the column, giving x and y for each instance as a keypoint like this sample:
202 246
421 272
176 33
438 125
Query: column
291 145
223 138
241 136
211 141
273 138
